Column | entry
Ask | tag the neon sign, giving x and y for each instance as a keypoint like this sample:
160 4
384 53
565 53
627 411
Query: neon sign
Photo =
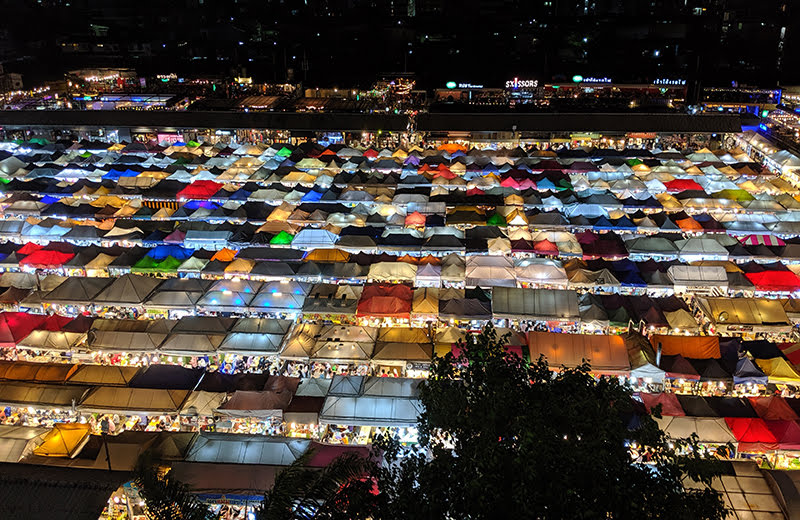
666 81
591 79
522 83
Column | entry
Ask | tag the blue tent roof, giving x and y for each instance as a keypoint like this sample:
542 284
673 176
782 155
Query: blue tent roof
603 223
240 194
546 184
175 251
312 196
624 223
197 204
748 372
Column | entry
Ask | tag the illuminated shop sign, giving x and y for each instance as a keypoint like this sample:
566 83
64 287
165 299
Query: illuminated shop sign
453 84
577 78
522 83
666 81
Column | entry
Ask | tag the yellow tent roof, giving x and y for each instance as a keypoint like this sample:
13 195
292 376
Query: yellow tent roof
276 226
240 265
164 213
101 261
730 267
778 370
64 440
426 301
327 255
668 201
281 213
517 218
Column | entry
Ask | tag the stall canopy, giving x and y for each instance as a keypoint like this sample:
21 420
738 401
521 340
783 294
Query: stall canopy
15 326
16 441
127 290
535 304
64 440
245 449
255 336
107 399
744 311
670 406
606 354
386 301
372 401
695 347
752 434
708 429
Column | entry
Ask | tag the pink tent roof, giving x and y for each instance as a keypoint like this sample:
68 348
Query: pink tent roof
773 408
668 401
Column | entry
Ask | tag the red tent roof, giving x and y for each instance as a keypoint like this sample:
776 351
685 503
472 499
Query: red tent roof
202 189
784 281
28 248
545 247
54 323
509 182
682 185
43 259
773 408
668 401
444 173
385 300
752 434
370 153
15 326
787 433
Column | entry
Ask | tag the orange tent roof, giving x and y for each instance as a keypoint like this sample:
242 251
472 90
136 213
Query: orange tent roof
415 219
409 259
452 147
224 255
430 259
695 347
689 224
607 354
326 256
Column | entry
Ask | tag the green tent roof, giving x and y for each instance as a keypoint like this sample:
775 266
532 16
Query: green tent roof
282 238
193 144
496 220
170 263
284 152
730 194
148 263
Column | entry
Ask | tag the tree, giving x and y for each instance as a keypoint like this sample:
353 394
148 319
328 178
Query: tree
502 438
165 497
304 493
